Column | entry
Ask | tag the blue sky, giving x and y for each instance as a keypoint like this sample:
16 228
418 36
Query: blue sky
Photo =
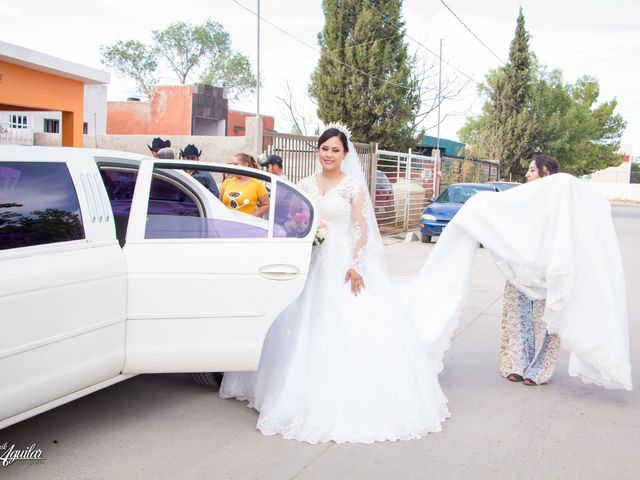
580 37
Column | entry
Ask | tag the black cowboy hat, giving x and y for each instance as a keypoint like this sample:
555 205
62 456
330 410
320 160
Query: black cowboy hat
190 151
157 144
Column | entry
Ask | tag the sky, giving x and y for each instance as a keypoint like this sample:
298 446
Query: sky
580 37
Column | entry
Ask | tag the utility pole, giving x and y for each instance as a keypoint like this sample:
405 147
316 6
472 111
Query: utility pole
439 98
258 67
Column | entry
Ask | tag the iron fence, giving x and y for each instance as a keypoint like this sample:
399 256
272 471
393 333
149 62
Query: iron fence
405 184
299 154
12 135
456 170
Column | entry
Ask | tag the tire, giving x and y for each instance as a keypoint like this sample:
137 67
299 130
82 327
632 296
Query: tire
426 238
208 379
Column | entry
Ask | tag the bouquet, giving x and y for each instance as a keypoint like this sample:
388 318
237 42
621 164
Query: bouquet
321 235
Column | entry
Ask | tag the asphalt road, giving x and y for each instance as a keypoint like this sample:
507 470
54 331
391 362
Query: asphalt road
167 427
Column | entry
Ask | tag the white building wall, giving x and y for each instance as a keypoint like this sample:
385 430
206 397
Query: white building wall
95 113
95 109
619 174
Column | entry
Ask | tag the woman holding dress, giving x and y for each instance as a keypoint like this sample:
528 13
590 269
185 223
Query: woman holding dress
343 363
528 352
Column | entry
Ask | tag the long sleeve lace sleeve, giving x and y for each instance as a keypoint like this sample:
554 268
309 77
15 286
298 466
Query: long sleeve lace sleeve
360 233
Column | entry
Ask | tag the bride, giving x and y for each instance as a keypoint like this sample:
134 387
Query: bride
355 358
343 363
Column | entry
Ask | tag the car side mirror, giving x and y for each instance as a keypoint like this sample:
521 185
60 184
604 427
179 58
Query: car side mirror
431 199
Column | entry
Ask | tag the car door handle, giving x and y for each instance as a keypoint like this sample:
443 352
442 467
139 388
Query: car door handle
279 272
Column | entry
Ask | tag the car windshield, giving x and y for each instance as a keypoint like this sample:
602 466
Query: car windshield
502 186
457 194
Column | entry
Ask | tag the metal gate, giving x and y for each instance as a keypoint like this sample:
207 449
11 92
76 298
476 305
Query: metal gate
405 184
299 154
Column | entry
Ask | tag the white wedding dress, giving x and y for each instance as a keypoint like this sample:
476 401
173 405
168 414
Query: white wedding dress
339 367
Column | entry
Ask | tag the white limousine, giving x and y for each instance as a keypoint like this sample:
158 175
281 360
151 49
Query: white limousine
114 264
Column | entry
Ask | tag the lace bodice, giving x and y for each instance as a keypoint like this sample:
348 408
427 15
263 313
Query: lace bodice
342 207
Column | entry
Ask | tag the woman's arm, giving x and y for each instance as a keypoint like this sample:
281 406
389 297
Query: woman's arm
358 205
263 201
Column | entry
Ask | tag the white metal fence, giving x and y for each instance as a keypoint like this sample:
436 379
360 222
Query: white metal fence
15 129
404 184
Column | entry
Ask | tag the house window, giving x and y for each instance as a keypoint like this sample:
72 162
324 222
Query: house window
85 128
51 125
18 121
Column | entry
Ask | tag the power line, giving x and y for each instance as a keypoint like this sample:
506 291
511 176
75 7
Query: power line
397 26
471 32
315 49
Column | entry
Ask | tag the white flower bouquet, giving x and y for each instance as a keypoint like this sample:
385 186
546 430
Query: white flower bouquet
321 235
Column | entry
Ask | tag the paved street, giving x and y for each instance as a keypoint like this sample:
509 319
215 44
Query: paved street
166 427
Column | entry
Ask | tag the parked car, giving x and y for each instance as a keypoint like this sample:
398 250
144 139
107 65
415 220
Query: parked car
439 213
503 186
384 203
115 264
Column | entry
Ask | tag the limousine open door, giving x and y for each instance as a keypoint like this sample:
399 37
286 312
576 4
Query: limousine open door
206 281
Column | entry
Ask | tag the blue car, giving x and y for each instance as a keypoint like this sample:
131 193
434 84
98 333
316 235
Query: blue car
439 213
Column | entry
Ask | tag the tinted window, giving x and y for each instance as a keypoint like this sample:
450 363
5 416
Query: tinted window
120 185
293 213
178 208
170 198
38 205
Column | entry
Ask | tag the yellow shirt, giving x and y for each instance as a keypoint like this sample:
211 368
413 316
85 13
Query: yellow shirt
242 196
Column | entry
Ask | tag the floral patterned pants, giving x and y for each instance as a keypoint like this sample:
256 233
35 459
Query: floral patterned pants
527 348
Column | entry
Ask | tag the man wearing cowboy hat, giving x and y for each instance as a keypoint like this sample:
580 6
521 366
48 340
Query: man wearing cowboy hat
191 152
158 144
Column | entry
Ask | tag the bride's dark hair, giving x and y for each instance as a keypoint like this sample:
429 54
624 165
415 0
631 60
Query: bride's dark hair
334 132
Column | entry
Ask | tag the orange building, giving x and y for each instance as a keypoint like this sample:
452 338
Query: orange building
34 81
235 122
179 110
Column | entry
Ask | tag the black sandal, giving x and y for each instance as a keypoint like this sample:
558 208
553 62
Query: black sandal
514 377
529 382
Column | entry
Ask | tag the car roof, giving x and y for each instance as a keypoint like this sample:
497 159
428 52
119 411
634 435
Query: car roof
478 185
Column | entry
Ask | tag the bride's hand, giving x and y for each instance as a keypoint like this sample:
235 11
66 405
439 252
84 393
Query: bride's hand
357 283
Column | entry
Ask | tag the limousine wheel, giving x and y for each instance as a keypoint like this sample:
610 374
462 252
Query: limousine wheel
208 379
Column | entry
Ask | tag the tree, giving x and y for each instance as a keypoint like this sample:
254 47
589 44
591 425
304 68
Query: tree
530 110
507 129
188 50
583 136
363 76
635 171
132 59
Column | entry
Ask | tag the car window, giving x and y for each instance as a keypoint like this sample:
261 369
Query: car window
120 184
457 194
293 213
38 205
181 206
444 196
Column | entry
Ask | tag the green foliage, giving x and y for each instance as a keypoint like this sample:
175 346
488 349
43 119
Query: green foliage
363 75
506 128
132 59
543 114
188 50
635 172
231 71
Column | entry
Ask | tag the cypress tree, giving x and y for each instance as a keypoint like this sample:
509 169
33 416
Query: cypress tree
363 75
515 126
